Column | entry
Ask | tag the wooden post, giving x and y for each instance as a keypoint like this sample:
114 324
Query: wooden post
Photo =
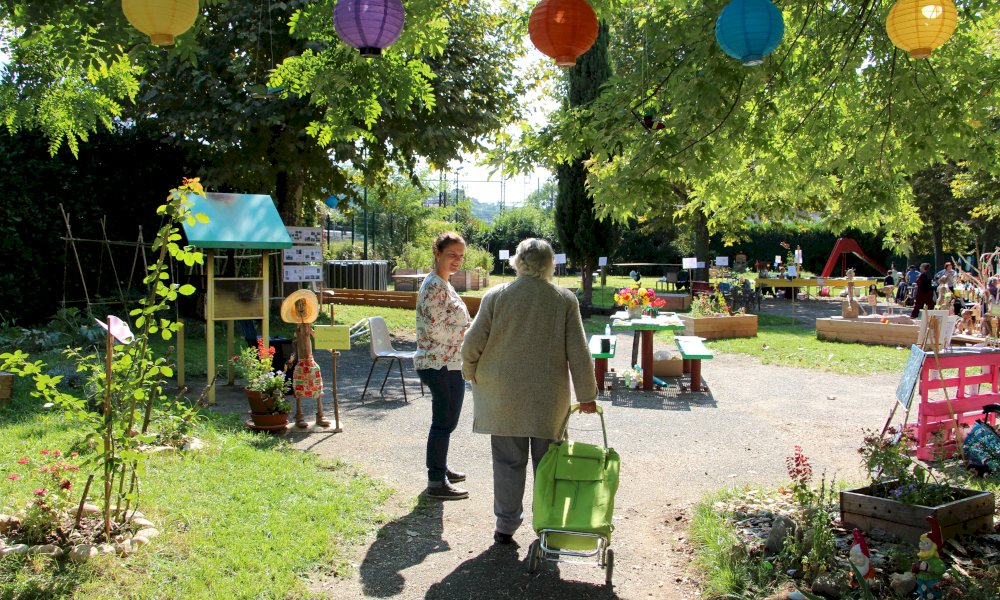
210 324
336 402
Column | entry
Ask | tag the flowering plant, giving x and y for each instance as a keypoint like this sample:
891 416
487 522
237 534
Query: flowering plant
902 477
47 515
254 365
630 297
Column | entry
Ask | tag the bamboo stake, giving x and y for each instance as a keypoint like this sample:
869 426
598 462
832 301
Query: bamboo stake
79 266
83 500
108 457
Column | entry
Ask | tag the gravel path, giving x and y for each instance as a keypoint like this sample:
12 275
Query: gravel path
675 448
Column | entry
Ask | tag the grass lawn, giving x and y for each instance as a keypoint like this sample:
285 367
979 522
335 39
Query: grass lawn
246 517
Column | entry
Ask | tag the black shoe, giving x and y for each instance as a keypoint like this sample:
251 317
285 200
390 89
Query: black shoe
503 538
455 476
446 492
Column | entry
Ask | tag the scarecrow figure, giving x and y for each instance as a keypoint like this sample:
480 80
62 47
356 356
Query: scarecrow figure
302 308
861 557
929 567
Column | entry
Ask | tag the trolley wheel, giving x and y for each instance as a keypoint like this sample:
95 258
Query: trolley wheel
609 566
533 558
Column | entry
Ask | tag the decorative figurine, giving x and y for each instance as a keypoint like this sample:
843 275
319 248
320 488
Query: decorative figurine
861 557
301 307
929 567
849 308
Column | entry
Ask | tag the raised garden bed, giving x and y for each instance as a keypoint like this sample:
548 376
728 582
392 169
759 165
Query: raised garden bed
867 509
710 328
838 329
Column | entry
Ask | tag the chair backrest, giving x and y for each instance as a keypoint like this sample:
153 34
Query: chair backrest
380 337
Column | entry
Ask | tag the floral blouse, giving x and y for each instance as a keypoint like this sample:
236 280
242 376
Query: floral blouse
441 321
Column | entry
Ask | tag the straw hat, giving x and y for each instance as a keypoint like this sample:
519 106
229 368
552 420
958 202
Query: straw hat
289 313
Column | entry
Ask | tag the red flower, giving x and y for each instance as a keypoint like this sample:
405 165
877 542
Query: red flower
43 452
13 476
57 452
40 492
74 454
22 461
66 484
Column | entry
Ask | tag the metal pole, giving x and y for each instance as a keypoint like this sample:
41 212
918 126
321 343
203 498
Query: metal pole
366 222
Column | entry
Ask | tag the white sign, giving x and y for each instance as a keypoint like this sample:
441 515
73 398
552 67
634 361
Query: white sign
504 254
701 264
777 259
792 270
560 259
689 263
798 256
303 273
602 261
303 254
305 235
722 261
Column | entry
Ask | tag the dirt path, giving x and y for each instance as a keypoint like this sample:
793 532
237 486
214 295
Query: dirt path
675 448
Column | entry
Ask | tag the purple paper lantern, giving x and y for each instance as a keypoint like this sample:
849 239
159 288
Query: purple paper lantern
369 25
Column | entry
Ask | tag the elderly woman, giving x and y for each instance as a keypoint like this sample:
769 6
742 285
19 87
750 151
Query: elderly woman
516 355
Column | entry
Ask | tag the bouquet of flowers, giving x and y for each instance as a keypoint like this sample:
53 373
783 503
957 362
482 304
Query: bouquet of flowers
631 297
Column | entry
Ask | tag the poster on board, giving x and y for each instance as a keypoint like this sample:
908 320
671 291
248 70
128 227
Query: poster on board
305 235
302 273
911 375
504 254
302 254
332 337
722 261
689 263
602 261
560 259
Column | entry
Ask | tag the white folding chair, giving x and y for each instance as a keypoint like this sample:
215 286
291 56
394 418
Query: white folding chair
381 347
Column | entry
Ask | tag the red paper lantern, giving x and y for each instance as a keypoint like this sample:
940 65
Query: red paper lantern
563 29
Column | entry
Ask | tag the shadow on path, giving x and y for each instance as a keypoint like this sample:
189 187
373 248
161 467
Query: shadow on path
401 544
498 573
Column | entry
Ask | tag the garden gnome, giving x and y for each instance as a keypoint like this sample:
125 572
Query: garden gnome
929 567
861 557
302 308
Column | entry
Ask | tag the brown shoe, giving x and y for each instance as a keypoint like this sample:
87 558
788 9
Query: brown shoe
455 476
446 492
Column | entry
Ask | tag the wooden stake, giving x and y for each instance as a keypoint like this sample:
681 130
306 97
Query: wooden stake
333 385
109 354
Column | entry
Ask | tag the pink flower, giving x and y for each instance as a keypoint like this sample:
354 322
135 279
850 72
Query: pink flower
57 452
43 452
66 484
13 476
22 461
40 492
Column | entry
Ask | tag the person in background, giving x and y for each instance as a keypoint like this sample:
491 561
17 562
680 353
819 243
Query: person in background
911 275
442 320
946 276
521 354
924 297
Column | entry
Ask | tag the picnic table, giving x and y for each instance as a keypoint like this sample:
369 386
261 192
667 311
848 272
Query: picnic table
646 326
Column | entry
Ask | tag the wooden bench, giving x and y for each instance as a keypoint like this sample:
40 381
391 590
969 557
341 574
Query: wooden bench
407 300
601 358
693 351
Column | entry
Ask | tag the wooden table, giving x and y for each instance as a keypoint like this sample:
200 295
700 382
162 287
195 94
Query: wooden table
601 358
646 326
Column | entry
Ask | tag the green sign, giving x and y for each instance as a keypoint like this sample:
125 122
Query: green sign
332 337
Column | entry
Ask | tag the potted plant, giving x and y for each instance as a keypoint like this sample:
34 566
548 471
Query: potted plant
904 492
634 299
711 318
266 387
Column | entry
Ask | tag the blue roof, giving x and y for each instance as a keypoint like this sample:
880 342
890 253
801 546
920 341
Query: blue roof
237 221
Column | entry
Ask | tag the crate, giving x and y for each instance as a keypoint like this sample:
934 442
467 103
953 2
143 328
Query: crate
972 513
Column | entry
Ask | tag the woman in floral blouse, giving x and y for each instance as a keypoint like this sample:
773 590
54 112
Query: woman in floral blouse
442 320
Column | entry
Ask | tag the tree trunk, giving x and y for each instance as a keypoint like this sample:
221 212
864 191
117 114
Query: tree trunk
937 235
288 189
586 301
701 244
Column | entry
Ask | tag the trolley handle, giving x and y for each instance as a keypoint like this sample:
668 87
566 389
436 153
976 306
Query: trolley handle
575 408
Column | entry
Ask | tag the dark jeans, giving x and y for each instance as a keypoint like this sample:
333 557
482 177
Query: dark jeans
922 300
447 392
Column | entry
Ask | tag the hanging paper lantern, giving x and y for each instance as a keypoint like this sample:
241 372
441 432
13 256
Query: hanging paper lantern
749 30
563 29
161 20
369 25
920 26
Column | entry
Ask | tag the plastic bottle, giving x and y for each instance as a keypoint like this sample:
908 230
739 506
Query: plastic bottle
607 329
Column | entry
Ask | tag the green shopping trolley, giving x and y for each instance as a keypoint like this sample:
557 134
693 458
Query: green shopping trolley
574 501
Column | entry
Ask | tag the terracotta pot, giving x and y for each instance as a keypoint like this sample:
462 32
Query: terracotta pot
266 421
258 403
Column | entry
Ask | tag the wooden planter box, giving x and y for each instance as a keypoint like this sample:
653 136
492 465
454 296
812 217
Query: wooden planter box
712 328
675 302
838 329
407 284
462 280
970 514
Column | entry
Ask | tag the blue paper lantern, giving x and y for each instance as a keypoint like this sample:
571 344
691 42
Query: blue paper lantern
749 30
369 25
332 201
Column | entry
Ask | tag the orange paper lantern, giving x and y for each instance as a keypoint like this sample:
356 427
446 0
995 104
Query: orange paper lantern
161 20
920 26
563 29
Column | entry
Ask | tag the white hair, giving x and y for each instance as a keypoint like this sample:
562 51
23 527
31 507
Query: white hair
534 258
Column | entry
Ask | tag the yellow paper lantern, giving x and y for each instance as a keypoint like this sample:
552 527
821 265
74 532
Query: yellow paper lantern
920 26
161 20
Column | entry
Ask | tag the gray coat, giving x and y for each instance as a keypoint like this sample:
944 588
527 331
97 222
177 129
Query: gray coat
525 344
